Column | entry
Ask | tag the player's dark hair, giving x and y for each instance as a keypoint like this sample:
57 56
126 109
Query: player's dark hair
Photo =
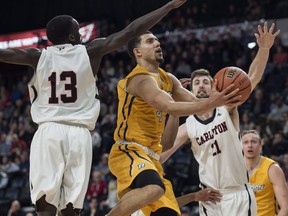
133 43
200 72
59 28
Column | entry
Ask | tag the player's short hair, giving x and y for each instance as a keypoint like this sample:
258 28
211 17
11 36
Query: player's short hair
200 72
59 28
133 43
244 132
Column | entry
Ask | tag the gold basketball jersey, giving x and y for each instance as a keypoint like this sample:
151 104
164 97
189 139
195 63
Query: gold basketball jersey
137 121
263 189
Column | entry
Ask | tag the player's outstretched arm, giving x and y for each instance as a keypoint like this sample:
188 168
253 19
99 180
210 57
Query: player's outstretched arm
205 195
135 28
27 56
181 138
278 181
265 39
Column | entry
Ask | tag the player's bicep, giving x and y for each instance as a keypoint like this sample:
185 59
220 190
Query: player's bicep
278 181
102 46
146 87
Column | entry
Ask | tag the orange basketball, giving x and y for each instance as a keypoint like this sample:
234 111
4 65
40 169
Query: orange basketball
228 75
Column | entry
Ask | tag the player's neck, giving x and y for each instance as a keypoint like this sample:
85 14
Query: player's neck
253 163
206 115
150 67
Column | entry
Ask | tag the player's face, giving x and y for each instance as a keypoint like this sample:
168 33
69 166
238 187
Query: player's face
150 49
201 86
251 145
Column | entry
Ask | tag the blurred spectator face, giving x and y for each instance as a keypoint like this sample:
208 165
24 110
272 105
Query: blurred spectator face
277 138
258 94
251 145
285 159
5 159
93 203
96 176
3 138
201 86
15 206
104 158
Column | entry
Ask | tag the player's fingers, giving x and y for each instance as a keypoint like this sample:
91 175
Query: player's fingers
215 84
232 97
277 33
228 89
257 36
260 30
271 28
265 27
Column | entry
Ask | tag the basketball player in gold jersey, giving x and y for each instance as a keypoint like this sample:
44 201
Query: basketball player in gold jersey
146 96
266 178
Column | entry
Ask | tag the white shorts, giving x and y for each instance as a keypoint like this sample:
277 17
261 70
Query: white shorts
239 201
60 164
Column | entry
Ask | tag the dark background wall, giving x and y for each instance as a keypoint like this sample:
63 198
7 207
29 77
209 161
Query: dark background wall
22 15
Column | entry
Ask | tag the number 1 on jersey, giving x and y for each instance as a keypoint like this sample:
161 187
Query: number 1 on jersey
215 148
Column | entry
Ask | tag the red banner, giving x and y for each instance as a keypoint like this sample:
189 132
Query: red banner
37 38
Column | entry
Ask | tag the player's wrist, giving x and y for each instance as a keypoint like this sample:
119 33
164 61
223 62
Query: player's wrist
264 48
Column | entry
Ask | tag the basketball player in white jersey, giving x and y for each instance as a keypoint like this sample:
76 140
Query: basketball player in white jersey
215 141
62 93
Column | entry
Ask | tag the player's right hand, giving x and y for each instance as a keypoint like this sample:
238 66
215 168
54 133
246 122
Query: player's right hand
224 97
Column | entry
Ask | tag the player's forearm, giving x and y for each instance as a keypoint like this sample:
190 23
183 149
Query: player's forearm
170 132
258 66
185 199
283 211
189 108
149 20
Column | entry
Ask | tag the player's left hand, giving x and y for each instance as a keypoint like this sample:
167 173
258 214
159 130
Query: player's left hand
208 195
265 38
185 82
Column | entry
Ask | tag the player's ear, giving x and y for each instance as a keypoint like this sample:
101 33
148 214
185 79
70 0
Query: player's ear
137 52
71 38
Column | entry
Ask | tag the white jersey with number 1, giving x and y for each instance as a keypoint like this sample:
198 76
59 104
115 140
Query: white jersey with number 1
218 150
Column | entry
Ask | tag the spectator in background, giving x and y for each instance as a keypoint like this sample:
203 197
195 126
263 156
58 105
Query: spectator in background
17 146
246 123
112 198
285 124
97 187
258 105
94 208
4 144
103 167
7 165
279 146
280 57
277 111
15 209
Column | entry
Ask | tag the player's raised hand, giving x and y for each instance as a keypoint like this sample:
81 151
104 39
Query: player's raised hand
265 38
177 3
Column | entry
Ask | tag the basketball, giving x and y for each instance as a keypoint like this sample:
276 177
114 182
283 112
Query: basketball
228 75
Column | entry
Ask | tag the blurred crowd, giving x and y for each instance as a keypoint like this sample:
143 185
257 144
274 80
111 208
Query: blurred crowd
266 109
